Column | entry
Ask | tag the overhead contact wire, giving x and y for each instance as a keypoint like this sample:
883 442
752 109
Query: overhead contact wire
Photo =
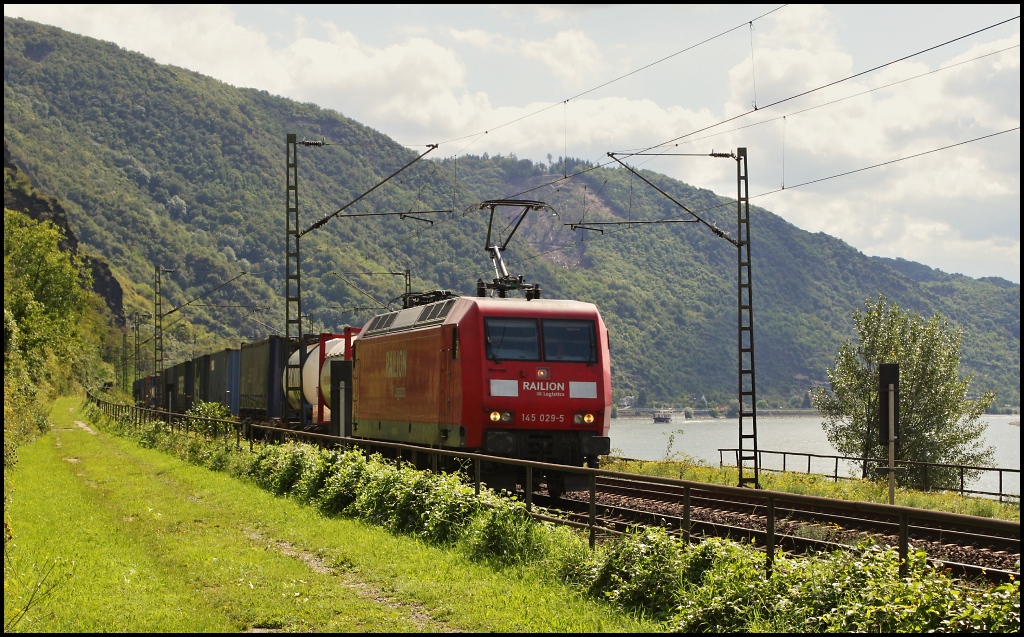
616 79
833 83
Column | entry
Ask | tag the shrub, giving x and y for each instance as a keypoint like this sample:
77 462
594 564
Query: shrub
342 486
505 534
203 409
641 570
449 506
569 557
380 491
317 467
286 470
725 590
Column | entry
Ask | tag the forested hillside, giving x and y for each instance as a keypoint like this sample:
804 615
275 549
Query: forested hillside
157 165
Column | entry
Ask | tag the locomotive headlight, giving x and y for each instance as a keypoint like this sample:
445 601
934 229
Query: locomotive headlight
495 416
589 418
578 419
506 416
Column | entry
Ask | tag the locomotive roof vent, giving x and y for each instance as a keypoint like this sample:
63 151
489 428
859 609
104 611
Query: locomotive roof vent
435 312
410 318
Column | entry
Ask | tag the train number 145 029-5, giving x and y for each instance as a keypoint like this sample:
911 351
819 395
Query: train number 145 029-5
543 417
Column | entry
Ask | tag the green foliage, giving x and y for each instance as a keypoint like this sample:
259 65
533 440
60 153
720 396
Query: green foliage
342 486
717 585
140 150
938 422
202 410
725 591
44 300
53 330
505 535
641 570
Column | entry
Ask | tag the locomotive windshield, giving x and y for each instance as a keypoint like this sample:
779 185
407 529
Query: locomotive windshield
571 341
518 339
512 339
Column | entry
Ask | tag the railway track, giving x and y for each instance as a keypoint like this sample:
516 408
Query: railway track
966 545
622 503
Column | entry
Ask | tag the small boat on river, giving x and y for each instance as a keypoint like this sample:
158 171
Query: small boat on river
663 416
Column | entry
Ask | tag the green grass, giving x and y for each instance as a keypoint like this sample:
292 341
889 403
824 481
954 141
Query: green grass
813 484
448 559
146 542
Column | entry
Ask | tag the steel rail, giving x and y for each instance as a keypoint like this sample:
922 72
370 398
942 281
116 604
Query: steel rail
871 524
619 519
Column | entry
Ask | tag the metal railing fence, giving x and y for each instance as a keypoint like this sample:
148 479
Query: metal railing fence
962 471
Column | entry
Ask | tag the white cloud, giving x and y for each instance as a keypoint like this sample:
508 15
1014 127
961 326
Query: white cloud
947 209
571 55
548 12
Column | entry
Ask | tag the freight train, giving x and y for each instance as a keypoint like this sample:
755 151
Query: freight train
526 378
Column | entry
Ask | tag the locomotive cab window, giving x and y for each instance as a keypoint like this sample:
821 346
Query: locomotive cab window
569 341
512 339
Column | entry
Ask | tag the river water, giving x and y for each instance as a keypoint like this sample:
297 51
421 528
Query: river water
643 439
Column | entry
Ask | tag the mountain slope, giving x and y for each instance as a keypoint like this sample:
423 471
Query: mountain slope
157 165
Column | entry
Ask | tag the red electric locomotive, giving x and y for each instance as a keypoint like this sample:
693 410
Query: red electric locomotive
523 378
509 377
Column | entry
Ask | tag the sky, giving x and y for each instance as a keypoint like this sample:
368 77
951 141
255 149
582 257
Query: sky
540 80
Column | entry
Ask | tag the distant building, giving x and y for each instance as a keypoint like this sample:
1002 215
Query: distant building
627 401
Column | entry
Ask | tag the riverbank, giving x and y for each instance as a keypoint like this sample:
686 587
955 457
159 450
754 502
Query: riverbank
701 440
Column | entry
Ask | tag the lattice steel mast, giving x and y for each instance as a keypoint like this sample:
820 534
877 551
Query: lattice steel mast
293 282
747 387
158 340
745 331
293 278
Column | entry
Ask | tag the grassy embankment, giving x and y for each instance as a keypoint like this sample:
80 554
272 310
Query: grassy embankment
486 541
146 542
813 484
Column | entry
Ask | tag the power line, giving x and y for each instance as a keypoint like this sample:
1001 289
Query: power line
893 161
599 164
326 218
835 82
841 99
807 92
208 292
777 190
614 80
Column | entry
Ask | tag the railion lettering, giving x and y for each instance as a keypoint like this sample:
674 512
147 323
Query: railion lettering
542 386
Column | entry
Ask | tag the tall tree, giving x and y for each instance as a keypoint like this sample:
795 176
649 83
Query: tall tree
939 423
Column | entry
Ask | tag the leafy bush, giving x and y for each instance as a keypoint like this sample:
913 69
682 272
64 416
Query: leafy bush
725 590
318 466
448 507
641 570
201 410
715 586
505 534
342 486
278 467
